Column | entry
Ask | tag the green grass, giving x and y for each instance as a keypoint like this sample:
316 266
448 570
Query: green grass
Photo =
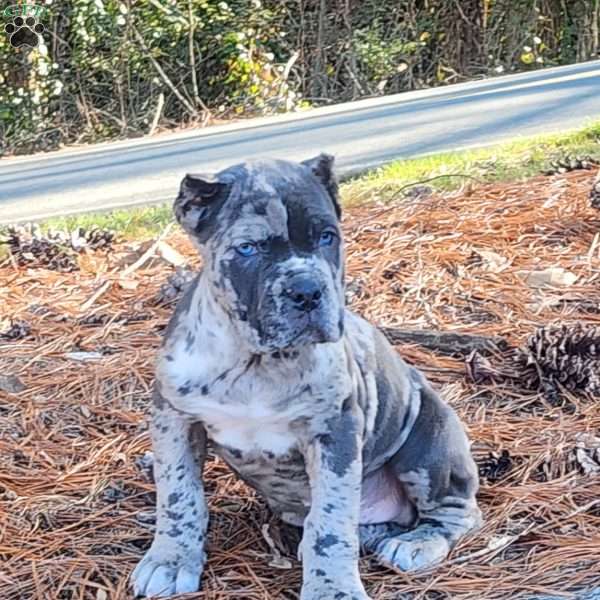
513 161
140 222
129 223
516 160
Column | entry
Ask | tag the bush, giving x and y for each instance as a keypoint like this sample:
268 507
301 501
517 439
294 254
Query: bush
115 68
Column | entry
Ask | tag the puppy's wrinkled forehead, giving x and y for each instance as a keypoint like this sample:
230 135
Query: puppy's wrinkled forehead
276 196
260 197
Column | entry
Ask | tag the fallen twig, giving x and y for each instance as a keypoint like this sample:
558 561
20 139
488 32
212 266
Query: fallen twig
446 342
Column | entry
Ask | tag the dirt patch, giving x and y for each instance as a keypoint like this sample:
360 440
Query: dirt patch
76 497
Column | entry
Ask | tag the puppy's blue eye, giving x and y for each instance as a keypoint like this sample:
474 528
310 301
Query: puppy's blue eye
326 238
246 249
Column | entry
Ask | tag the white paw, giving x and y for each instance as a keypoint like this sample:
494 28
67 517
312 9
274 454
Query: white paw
343 590
413 554
161 575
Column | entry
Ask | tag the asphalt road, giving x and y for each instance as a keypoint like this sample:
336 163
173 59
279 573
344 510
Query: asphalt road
360 134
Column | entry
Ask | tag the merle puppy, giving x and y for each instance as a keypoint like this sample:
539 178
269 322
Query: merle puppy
306 401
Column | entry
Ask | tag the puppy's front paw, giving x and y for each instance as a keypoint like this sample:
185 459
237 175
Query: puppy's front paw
409 553
164 574
324 588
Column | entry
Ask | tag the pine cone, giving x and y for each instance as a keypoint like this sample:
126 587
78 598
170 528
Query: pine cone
99 238
595 192
93 239
355 290
16 330
552 359
30 247
495 466
568 355
54 250
570 163
175 286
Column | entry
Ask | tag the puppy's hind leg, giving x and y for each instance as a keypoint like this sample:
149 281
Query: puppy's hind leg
439 476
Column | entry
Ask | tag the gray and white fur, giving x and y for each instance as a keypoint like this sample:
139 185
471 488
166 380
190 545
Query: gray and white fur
306 401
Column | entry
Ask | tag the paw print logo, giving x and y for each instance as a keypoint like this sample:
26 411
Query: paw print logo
24 32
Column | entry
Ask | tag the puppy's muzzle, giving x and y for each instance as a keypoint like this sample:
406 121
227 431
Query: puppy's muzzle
304 294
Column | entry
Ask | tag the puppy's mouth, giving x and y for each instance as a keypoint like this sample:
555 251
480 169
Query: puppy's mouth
311 333
307 330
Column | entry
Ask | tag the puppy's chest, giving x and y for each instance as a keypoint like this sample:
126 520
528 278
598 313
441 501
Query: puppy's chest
251 427
258 407
263 447
251 414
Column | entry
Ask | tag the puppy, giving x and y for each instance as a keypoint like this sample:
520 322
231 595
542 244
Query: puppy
306 401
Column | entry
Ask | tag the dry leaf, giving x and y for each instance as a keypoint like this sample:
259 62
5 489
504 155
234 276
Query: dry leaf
277 561
129 284
134 252
543 301
587 453
170 255
11 384
495 544
84 356
553 276
492 261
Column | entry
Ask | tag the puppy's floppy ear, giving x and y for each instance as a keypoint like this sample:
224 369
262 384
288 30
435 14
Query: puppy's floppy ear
321 167
200 198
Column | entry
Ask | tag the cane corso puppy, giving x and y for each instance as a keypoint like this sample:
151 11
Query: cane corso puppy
304 400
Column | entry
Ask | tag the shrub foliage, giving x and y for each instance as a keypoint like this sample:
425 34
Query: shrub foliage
108 69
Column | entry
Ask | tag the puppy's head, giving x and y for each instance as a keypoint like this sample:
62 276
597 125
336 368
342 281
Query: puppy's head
270 238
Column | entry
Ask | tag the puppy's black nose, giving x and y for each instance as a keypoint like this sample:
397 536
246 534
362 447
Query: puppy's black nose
304 293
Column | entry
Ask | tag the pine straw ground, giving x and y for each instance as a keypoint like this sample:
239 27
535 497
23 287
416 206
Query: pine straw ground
77 500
